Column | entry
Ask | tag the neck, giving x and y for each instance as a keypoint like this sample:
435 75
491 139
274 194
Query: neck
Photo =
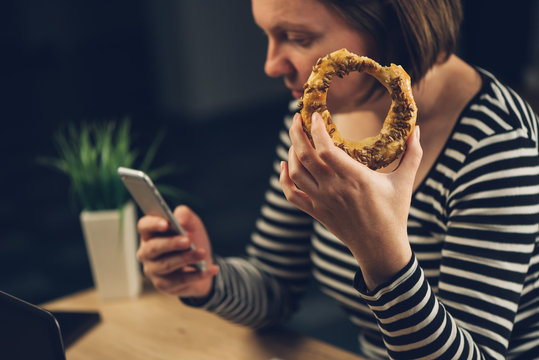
445 89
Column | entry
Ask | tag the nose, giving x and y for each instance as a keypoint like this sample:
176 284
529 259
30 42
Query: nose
277 63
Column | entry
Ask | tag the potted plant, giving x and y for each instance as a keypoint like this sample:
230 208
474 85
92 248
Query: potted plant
90 154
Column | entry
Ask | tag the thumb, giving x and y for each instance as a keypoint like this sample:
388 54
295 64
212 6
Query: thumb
412 156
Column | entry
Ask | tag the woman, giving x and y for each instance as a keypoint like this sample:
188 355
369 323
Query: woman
434 257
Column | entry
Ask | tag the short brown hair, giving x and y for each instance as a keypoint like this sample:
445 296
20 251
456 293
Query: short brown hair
411 33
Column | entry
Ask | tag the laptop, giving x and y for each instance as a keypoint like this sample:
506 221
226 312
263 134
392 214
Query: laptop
29 332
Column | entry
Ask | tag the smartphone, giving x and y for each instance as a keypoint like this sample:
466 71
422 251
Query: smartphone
150 201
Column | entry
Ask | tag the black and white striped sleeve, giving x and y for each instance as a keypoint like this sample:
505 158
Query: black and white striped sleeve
489 257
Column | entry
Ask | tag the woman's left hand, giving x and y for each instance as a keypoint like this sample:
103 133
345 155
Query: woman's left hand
365 209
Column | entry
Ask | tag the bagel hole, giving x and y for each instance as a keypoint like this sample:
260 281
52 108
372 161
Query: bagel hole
362 115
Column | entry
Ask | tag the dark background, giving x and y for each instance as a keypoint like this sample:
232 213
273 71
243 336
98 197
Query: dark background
194 68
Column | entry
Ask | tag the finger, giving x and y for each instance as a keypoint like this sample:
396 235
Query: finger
172 262
193 278
297 197
412 157
330 154
159 246
321 139
299 174
304 150
148 226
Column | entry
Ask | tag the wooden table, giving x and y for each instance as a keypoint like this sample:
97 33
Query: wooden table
159 327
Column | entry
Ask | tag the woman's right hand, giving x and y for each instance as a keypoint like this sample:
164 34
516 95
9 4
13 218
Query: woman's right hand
168 260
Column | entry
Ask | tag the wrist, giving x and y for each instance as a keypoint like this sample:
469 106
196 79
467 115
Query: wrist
378 267
203 299
390 285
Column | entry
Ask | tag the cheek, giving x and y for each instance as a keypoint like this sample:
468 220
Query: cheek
305 67
303 74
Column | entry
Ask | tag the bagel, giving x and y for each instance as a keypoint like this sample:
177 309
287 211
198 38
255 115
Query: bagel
378 151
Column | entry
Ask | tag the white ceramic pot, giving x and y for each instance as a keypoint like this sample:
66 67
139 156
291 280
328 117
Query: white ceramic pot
111 241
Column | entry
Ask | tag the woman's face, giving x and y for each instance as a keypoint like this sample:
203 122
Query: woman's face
301 31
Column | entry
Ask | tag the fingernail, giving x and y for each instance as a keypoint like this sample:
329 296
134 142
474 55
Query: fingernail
163 224
418 132
316 117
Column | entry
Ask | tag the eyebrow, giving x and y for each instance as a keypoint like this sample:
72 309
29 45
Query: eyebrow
286 25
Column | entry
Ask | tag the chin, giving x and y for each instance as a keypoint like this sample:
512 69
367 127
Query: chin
343 105
338 107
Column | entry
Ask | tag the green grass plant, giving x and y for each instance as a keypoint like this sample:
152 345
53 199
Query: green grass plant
90 153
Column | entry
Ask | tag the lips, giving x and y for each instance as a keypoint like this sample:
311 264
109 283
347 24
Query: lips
295 88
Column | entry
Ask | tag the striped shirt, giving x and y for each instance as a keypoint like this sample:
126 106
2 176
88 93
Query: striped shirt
471 289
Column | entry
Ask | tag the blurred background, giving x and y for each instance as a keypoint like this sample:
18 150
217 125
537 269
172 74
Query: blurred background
193 68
